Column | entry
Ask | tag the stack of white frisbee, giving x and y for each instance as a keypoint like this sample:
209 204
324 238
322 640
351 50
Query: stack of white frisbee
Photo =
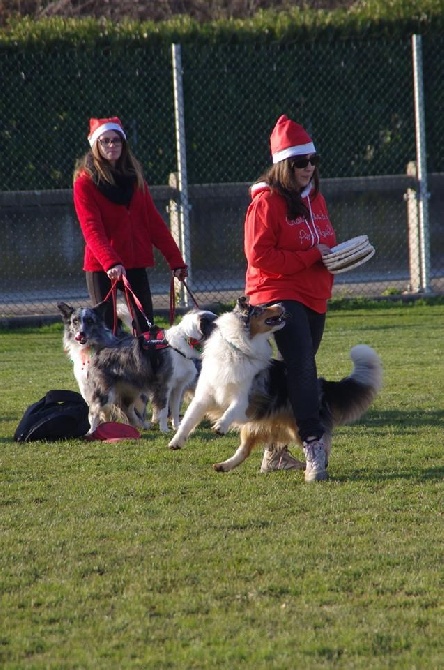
349 255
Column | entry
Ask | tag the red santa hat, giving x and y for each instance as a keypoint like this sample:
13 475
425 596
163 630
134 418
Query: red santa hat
289 139
98 126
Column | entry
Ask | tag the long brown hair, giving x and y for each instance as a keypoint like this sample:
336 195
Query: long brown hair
94 164
280 178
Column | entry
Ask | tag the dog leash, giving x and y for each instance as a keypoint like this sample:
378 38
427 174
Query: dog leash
129 293
173 297
113 294
153 337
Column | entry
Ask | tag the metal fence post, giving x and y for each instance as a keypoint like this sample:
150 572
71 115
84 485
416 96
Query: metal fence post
421 162
411 198
175 224
182 185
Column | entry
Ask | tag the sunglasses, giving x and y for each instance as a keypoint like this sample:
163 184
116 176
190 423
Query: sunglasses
301 163
108 141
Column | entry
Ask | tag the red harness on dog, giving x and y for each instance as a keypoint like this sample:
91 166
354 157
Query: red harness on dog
157 340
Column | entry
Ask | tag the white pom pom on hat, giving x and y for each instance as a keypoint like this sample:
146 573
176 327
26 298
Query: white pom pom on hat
288 139
98 126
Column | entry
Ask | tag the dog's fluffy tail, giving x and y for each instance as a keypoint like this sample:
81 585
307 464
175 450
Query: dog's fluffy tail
348 399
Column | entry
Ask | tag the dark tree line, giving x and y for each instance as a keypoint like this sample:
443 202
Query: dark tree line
156 10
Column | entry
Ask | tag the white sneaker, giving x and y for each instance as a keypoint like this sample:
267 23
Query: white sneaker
316 460
279 458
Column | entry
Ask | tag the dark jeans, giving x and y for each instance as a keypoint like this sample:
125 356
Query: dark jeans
98 285
298 343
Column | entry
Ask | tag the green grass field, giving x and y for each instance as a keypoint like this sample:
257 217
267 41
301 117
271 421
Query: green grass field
130 555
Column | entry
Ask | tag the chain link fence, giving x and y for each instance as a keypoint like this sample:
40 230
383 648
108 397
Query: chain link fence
356 98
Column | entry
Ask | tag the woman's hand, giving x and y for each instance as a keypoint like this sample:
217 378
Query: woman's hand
116 272
323 249
180 273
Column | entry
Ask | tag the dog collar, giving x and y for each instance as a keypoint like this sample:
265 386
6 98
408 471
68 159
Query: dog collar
195 344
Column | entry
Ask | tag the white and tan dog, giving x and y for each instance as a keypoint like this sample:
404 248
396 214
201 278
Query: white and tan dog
241 385
236 351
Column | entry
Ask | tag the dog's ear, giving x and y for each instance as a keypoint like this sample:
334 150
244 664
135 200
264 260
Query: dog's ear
242 305
101 309
206 324
242 309
246 311
66 310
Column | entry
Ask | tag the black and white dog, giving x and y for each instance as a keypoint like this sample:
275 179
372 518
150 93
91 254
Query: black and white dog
121 371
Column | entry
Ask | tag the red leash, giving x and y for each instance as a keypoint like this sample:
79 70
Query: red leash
113 293
128 292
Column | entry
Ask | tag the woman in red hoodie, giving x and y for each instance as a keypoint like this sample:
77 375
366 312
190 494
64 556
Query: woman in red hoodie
287 232
118 218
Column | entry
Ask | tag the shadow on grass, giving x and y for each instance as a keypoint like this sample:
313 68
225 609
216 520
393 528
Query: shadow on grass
418 418
375 476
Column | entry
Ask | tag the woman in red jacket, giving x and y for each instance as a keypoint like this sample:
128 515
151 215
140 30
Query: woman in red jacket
287 232
118 218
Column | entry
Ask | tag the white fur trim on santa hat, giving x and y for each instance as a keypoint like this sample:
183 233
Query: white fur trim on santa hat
300 150
101 129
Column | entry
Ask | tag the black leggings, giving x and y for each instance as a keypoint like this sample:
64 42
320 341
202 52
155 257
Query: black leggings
99 284
298 343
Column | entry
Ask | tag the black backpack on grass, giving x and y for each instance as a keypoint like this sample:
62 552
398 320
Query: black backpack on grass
58 415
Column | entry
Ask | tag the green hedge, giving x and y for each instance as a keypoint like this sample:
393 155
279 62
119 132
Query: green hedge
381 18
345 76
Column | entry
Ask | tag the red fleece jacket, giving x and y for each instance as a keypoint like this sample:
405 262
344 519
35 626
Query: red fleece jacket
283 261
120 234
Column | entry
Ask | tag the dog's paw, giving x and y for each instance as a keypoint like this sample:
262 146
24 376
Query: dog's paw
175 422
93 425
219 467
175 444
220 428
164 429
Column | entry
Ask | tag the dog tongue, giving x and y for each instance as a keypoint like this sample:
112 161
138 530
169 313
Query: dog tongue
80 338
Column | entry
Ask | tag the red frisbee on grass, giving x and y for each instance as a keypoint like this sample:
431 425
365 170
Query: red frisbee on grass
112 431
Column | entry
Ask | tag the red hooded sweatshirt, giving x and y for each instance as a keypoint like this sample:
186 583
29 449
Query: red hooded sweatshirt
283 261
119 234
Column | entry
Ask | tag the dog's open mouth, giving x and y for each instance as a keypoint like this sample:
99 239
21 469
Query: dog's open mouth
275 320
80 338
